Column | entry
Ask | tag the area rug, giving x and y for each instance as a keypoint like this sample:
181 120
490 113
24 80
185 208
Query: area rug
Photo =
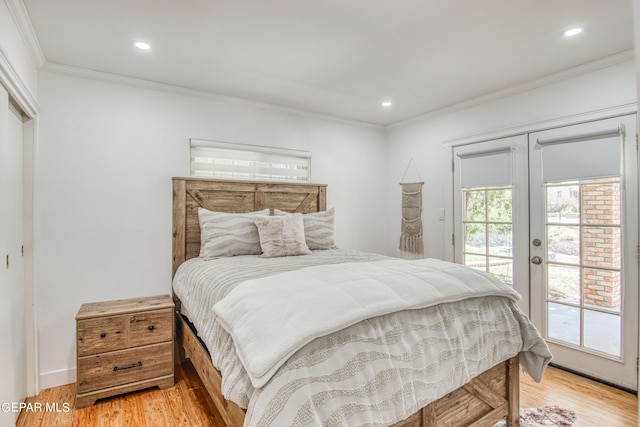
545 416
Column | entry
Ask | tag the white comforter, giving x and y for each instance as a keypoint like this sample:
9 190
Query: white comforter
271 318
375 372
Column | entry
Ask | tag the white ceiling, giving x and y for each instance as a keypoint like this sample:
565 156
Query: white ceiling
336 57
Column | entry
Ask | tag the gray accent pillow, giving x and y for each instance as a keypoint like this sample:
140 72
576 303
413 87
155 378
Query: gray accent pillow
228 234
281 235
318 229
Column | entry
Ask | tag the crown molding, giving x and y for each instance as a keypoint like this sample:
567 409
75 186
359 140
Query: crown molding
16 87
604 113
624 56
21 18
85 73
579 70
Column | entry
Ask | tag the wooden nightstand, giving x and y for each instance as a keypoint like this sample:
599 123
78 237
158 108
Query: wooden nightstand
122 346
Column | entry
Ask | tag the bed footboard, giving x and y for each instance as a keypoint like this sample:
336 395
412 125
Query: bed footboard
491 396
486 399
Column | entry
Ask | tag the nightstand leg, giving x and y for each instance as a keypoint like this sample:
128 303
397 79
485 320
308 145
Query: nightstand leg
84 402
166 384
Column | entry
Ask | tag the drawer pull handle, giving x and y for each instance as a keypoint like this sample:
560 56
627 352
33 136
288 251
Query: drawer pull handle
102 335
122 368
150 327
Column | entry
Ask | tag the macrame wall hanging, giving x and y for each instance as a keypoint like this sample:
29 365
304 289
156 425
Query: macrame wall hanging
411 243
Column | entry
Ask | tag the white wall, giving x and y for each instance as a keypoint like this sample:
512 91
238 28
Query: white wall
423 140
107 152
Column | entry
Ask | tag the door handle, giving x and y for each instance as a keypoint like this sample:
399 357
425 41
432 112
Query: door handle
536 260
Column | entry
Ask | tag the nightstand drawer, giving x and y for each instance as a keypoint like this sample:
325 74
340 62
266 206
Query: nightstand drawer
150 327
124 366
102 334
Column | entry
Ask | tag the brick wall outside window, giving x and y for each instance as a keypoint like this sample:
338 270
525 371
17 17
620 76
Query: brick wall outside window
601 244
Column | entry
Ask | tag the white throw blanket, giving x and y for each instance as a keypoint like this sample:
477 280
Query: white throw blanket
271 318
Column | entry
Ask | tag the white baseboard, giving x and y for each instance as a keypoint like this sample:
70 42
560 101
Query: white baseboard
57 378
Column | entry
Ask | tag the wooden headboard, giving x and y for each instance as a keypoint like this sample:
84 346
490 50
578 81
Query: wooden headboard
234 197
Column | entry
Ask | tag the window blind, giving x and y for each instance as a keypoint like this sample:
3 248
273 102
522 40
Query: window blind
215 159
597 155
490 168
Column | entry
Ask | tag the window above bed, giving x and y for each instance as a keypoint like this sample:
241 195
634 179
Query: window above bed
224 160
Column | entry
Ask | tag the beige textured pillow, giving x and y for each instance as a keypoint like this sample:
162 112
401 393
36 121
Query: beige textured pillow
281 235
318 229
228 234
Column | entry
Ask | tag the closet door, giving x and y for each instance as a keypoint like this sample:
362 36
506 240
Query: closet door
584 231
12 292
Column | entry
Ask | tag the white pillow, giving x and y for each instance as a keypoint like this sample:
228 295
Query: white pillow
228 234
318 228
281 235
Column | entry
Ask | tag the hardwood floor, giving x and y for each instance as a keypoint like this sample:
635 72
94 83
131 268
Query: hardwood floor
595 405
187 404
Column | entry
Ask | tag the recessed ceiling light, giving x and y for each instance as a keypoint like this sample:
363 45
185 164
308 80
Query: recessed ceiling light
572 32
387 103
142 45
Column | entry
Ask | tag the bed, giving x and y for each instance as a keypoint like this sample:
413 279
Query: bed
485 387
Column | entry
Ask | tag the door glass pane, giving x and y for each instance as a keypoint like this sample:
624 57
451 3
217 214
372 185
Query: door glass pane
502 268
602 332
602 289
476 238
474 207
499 205
564 283
479 262
500 239
563 243
564 323
563 204
602 246
601 202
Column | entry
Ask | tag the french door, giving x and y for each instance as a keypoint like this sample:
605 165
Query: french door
492 210
584 266
564 203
